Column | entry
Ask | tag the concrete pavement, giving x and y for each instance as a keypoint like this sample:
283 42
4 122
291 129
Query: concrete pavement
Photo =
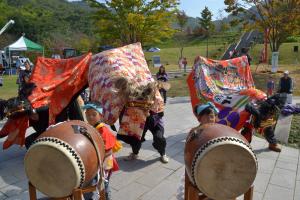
147 178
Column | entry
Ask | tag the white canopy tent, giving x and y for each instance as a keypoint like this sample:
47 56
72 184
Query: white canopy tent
23 44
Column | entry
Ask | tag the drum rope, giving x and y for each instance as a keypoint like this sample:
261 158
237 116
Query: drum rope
100 184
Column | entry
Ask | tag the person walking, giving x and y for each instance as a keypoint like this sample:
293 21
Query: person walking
163 77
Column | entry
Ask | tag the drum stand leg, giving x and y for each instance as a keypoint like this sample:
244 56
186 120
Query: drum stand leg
249 194
192 193
77 194
32 191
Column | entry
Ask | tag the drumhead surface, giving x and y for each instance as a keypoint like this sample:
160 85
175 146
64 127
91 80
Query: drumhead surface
53 169
225 170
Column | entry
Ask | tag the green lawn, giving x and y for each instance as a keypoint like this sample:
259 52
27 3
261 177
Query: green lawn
286 54
170 56
9 88
294 138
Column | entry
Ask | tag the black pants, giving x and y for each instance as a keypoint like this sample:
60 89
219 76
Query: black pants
157 130
132 141
269 135
163 93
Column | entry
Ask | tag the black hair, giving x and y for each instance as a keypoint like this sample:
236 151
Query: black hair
206 111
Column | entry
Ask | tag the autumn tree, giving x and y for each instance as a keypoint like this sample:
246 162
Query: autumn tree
279 17
206 20
129 21
182 19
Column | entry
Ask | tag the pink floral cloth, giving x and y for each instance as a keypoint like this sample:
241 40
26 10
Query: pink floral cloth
128 62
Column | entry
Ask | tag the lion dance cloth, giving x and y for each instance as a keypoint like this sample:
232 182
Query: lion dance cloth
57 81
226 83
126 62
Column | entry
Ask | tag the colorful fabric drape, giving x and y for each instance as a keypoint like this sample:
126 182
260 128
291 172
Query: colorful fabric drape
128 62
226 83
57 81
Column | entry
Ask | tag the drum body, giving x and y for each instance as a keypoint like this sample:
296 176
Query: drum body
219 161
64 158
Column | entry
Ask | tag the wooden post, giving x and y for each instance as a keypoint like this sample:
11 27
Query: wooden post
249 194
77 194
32 191
192 193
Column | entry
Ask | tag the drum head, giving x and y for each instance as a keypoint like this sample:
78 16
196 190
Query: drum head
225 171
52 168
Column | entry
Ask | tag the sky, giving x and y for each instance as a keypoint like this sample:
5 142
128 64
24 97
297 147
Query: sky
193 8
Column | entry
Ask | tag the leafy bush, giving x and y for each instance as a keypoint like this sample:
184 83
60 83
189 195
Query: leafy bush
292 39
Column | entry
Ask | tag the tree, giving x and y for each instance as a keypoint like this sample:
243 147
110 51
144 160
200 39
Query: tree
182 19
128 21
223 26
278 17
205 20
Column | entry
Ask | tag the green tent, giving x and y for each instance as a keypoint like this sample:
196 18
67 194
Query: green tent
24 44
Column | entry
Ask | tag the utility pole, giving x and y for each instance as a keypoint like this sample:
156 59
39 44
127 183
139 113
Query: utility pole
207 27
10 22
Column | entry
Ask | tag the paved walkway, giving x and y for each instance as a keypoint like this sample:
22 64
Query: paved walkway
278 176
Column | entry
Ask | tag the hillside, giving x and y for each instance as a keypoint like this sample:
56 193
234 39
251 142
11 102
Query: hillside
40 19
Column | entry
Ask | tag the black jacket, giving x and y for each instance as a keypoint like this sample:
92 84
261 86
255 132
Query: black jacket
286 85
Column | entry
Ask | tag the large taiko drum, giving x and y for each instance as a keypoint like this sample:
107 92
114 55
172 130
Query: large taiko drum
219 161
64 157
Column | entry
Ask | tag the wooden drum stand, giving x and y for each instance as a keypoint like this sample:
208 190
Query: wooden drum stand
76 195
192 193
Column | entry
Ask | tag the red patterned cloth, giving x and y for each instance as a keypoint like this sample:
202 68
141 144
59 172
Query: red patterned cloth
57 81
226 83
15 129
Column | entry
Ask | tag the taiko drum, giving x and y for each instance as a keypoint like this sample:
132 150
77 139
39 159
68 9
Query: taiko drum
64 158
219 161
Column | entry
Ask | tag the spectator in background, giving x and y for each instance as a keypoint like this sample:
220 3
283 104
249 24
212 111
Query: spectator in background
24 75
2 70
232 54
180 65
245 52
286 87
270 86
162 76
184 63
